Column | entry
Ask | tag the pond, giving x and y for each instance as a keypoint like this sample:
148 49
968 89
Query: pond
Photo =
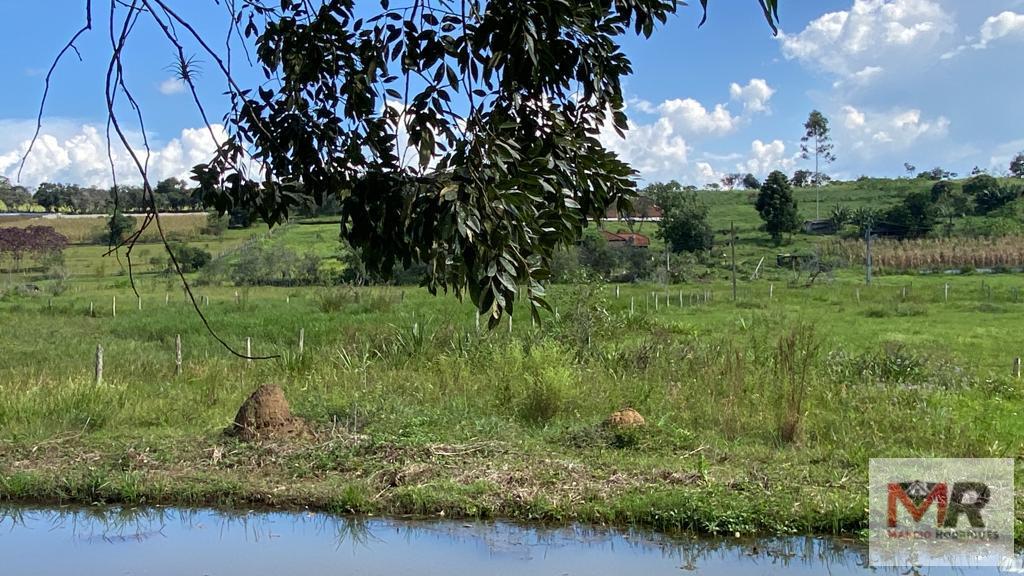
165 541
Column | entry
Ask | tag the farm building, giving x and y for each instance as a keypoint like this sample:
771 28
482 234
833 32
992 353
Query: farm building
823 226
643 209
623 238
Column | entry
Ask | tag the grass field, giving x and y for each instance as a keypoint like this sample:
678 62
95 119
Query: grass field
414 410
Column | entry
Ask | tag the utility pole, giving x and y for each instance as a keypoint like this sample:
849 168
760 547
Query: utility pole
867 239
732 242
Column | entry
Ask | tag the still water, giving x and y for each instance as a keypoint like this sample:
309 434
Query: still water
179 542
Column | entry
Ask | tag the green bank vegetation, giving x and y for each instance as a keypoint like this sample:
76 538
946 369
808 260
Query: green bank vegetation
761 414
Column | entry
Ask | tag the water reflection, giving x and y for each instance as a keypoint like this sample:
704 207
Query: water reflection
157 541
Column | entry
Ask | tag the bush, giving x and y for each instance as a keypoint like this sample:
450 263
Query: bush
119 227
992 199
190 259
915 216
685 226
216 224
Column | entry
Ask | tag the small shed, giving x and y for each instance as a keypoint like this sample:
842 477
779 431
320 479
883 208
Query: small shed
821 226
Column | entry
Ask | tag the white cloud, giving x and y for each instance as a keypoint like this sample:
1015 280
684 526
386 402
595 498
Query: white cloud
1004 25
688 116
862 77
660 149
854 44
78 154
853 119
707 173
655 150
999 162
754 96
766 157
871 134
172 86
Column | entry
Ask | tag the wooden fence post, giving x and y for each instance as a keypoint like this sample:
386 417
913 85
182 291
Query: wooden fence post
177 355
99 363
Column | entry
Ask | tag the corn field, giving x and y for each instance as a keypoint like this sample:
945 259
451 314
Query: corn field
934 254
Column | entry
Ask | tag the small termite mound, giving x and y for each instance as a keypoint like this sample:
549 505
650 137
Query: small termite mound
265 414
626 418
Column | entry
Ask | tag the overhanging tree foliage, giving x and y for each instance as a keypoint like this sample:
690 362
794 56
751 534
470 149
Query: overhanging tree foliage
459 133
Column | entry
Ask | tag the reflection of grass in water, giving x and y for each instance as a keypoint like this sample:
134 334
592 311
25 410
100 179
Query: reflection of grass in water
98 525
691 553
124 524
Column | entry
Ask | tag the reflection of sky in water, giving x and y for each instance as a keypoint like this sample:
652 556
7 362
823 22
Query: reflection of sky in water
165 542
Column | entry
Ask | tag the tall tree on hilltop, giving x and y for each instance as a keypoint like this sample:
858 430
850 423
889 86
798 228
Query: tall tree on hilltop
732 180
1017 166
817 142
750 182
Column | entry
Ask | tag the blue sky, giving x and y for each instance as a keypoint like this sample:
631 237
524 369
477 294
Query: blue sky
930 82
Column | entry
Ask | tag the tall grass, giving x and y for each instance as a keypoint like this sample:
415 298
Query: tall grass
796 358
935 253
418 371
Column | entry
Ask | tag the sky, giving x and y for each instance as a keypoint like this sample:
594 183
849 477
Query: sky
925 82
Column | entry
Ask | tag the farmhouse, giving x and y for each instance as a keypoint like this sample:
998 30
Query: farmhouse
623 238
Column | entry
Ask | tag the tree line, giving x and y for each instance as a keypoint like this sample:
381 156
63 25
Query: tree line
170 195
